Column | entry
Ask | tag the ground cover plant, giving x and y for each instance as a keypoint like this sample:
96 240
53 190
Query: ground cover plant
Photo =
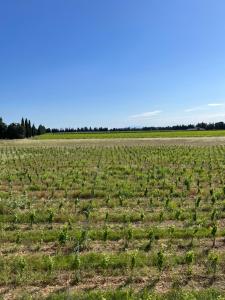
118 222
133 134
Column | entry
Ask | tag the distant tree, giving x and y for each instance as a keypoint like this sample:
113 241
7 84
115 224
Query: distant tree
210 126
26 128
41 129
29 129
15 131
33 130
23 126
22 122
55 130
3 129
219 125
201 125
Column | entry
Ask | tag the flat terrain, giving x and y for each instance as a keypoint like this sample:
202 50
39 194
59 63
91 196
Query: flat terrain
194 141
133 134
112 219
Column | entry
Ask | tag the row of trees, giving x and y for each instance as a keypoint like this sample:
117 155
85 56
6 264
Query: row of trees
199 126
21 130
25 129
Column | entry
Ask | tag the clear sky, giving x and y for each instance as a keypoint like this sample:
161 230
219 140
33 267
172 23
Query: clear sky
112 62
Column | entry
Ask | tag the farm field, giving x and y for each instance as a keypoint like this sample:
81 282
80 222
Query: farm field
132 134
112 221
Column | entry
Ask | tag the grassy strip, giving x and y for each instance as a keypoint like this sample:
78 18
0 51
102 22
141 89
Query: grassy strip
131 134
209 294
101 261
49 235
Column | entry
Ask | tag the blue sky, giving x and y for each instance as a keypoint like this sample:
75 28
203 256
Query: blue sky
112 63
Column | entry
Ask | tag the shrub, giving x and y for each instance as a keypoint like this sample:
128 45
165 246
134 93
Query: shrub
63 236
160 260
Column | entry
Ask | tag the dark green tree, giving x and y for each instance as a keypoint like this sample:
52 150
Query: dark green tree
29 129
15 131
33 130
22 122
23 126
3 129
26 128
41 129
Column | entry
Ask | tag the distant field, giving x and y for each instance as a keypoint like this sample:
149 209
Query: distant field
132 134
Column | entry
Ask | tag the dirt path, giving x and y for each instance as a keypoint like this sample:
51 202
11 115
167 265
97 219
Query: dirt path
195 141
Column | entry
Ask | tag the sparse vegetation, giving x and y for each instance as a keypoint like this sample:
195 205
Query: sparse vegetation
125 222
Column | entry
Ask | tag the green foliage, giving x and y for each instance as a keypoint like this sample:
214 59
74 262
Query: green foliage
212 263
63 235
160 260
105 261
50 216
49 263
213 233
133 260
32 217
105 234
76 262
151 238
189 259
19 264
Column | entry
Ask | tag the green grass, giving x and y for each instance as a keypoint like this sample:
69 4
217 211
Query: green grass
132 134
208 294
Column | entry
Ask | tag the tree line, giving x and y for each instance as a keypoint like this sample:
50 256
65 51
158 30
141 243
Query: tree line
198 126
25 129
21 130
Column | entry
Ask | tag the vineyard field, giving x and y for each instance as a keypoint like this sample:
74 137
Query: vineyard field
132 134
114 222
